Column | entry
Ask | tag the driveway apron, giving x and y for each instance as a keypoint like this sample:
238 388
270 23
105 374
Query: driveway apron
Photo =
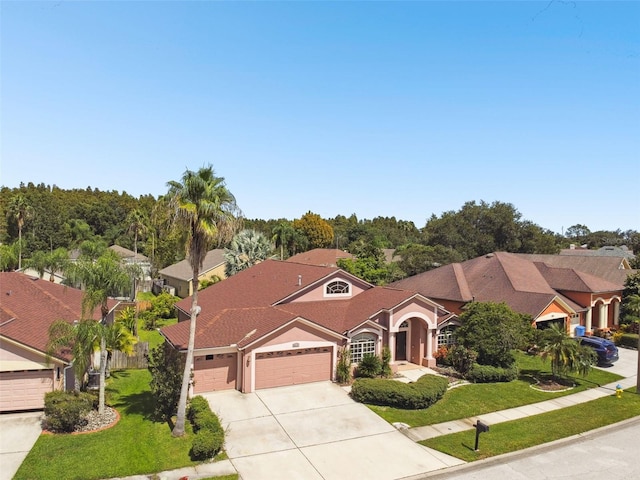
316 431
18 433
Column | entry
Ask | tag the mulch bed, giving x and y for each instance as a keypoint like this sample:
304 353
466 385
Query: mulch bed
94 422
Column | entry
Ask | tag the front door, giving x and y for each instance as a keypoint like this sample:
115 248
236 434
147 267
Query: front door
401 345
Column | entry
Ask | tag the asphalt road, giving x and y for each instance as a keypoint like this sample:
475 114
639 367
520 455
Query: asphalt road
608 452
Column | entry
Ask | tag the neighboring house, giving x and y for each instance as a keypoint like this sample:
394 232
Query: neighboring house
323 257
129 257
528 284
178 276
606 251
282 323
28 306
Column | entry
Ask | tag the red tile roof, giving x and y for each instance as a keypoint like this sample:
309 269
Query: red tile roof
324 257
247 305
28 306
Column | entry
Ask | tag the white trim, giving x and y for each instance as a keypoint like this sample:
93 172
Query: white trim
552 316
432 324
349 294
33 350
290 322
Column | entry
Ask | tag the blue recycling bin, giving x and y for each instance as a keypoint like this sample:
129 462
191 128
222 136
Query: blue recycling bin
580 329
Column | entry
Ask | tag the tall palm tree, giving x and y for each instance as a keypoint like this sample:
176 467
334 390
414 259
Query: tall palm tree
101 279
137 222
57 261
565 353
38 262
20 209
207 211
247 248
282 234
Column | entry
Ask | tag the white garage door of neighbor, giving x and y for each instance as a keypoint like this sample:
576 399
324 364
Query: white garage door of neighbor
24 390
292 367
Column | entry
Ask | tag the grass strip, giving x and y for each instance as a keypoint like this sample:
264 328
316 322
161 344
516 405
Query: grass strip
481 398
135 445
538 429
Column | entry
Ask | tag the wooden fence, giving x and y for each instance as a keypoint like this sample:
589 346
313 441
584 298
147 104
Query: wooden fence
137 360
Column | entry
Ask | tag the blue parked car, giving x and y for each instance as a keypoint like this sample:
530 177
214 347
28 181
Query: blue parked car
606 349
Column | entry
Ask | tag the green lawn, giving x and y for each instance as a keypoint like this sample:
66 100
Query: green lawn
135 445
536 430
153 336
477 399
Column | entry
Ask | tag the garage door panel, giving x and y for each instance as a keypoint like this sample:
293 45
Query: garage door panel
292 367
24 390
215 372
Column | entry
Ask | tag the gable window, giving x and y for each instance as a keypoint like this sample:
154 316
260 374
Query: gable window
445 336
361 345
338 288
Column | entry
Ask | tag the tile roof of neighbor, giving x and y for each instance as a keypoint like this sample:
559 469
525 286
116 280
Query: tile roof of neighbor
324 257
527 286
606 251
182 269
606 267
246 306
28 306
126 253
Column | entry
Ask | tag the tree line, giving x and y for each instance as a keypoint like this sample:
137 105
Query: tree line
39 219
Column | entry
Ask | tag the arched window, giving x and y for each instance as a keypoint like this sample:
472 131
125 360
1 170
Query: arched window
445 335
338 288
361 345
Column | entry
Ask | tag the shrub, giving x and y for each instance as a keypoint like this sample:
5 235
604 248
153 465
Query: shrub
166 365
490 374
461 358
197 405
420 394
65 411
206 420
629 340
385 369
441 355
343 368
206 444
370 366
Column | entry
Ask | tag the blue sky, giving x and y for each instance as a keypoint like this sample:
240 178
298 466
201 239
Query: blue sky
402 109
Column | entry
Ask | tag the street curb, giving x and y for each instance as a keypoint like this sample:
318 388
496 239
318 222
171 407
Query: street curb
506 457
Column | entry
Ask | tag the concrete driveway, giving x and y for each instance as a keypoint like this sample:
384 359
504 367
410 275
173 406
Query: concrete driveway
627 364
18 433
316 431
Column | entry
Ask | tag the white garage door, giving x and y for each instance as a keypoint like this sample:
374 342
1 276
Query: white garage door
292 367
24 390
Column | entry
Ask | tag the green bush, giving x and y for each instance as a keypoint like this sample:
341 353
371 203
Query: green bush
197 405
490 374
343 368
629 340
385 367
64 411
369 367
206 444
206 420
423 393
461 358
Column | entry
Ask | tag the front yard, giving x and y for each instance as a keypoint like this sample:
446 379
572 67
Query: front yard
477 399
135 445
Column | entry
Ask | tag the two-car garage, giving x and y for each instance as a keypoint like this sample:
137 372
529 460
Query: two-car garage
293 367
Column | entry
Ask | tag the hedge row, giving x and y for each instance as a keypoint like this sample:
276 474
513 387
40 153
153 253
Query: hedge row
489 374
628 340
423 393
209 435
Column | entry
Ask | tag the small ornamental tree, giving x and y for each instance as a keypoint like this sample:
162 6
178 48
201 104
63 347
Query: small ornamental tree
493 331
166 366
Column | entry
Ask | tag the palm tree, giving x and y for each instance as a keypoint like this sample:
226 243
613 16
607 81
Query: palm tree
282 235
8 257
101 279
565 353
57 261
207 211
137 222
247 248
37 261
21 211
82 340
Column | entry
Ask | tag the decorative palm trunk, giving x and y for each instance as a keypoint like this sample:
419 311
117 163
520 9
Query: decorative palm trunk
103 371
178 429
